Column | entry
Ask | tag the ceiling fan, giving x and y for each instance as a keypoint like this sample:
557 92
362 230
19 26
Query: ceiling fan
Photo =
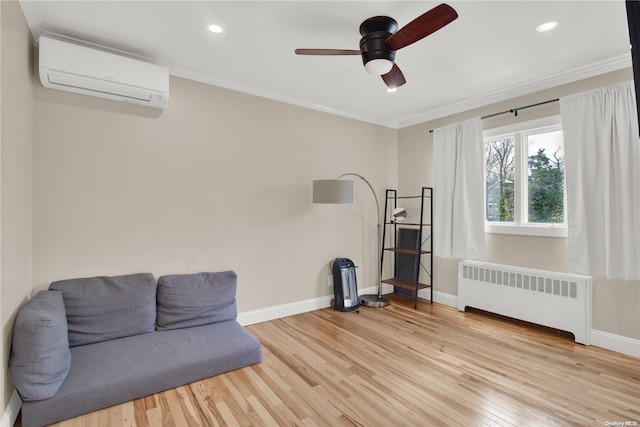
381 39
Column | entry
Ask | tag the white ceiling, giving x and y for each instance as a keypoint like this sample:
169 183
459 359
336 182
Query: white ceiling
492 52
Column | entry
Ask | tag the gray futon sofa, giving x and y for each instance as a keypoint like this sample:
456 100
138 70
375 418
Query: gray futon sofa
87 344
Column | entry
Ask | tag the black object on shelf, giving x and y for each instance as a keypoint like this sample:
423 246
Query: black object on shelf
406 265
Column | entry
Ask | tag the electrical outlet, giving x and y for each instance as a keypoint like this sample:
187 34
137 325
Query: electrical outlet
330 280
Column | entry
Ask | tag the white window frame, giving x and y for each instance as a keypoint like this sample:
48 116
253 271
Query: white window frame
518 227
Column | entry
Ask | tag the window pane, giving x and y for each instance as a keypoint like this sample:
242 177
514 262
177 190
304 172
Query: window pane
499 180
546 178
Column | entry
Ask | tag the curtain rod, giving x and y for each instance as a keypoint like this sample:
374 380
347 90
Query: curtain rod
515 110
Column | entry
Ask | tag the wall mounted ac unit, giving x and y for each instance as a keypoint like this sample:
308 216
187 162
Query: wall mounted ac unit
79 69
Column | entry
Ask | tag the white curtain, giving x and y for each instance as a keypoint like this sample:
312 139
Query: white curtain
458 167
602 152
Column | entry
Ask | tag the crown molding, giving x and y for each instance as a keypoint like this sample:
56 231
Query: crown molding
569 76
276 97
614 64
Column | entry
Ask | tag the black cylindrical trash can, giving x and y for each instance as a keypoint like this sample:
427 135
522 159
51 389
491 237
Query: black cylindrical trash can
345 288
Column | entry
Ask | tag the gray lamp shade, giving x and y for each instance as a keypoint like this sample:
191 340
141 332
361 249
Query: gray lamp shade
332 191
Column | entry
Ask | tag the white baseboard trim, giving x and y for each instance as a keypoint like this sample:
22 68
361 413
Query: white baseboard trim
609 341
276 312
11 411
439 297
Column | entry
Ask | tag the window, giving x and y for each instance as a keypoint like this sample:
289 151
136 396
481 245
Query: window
524 179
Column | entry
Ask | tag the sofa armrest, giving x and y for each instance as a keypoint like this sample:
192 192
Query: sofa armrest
40 357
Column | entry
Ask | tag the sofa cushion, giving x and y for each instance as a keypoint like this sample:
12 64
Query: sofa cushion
104 308
187 300
40 356
112 372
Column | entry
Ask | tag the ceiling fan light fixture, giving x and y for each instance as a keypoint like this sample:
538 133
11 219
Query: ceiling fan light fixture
547 26
378 66
216 29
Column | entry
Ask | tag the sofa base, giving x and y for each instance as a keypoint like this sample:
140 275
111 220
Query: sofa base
112 372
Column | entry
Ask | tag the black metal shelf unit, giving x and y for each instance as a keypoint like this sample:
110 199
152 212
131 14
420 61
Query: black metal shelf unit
411 242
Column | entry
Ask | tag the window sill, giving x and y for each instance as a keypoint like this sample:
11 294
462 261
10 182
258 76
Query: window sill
526 230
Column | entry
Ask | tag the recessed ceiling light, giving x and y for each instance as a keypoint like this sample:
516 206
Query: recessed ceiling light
215 28
546 26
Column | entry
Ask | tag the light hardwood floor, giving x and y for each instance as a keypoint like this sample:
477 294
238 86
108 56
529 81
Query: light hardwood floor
397 366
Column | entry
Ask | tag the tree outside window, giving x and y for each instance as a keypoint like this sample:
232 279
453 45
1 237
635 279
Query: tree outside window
546 178
500 162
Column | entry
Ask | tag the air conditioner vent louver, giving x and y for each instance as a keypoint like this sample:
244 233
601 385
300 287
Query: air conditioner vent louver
74 68
98 86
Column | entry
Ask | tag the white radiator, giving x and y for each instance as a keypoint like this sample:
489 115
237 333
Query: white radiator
558 300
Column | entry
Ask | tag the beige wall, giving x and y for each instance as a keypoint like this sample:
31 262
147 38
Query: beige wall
614 302
16 167
219 180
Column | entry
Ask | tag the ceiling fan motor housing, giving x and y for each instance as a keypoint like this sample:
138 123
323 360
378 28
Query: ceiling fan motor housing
375 32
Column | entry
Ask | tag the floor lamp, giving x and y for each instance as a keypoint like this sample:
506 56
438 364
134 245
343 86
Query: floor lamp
341 191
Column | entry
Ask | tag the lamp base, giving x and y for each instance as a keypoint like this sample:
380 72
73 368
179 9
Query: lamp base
374 301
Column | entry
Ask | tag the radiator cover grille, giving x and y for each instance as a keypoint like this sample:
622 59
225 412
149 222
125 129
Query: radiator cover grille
527 281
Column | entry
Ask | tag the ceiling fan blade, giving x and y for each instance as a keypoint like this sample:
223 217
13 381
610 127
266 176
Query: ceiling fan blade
422 26
394 78
327 52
